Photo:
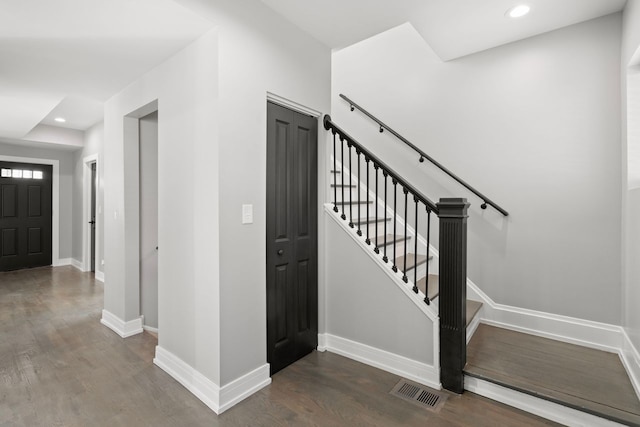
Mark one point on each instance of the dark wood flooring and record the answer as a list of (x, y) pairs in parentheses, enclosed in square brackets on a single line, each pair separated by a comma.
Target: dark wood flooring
[(582, 378), (60, 367)]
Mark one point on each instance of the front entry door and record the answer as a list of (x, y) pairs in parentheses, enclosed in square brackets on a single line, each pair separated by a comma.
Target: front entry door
[(292, 224), (25, 215)]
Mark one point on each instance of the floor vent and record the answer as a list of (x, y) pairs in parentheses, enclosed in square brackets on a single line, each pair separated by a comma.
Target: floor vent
[(419, 395)]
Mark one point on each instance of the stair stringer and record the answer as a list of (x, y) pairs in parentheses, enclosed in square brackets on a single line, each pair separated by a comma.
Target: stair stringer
[(382, 208)]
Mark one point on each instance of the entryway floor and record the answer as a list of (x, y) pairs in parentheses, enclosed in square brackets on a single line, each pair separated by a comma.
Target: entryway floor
[(591, 380), (60, 366)]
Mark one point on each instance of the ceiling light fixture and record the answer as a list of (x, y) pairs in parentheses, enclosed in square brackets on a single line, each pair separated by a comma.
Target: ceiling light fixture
[(60, 119), (518, 11)]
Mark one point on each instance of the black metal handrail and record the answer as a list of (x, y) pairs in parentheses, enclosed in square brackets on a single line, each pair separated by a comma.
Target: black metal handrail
[(486, 201), (329, 125)]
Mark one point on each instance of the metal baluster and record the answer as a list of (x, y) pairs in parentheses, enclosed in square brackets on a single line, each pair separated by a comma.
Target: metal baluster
[(426, 287), (406, 220), (395, 223), (367, 160), (385, 258), (359, 191), (415, 248), (335, 171), (350, 192), (343, 216), (377, 245)]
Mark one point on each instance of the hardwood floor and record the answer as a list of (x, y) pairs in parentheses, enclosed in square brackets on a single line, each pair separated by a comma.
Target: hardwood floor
[(582, 378), (60, 367)]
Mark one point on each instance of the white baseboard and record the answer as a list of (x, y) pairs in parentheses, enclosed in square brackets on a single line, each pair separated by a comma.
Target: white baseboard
[(572, 330), (219, 399), (322, 343), (600, 336), (422, 373), (150, 329), (62, 262), (99, 275), (543, 408), (631, 361), (119, 326), (243, 387), (77, 264)]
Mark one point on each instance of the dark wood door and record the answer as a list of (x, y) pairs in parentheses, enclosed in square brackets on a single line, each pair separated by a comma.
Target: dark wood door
[(25, 215), (292, 224)]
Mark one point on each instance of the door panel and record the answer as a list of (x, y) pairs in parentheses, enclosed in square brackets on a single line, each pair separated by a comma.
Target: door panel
[(25, 220), (292, 284)]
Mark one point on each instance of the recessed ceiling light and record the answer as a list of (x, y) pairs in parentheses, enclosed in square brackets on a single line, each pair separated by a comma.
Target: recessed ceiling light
[(60, 119), (518, 11)]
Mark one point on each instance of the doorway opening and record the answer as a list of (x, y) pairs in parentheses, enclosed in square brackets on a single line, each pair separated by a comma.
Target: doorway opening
[(91, 222), (141, 222), (292, 235)]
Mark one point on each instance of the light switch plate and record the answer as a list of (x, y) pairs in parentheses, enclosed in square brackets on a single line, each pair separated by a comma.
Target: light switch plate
[(247, 214)]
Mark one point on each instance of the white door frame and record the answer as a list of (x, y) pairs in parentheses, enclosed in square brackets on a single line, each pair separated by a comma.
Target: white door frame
[(55, 200), (86, 212)]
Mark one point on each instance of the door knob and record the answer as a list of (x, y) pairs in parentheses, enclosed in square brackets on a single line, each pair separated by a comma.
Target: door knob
[(280, 252)]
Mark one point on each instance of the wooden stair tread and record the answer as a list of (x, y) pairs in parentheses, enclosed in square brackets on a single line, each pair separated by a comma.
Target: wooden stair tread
[(390, 239), (412, 261), (354, 202), (582, 378), (434, 287), (371, 220)]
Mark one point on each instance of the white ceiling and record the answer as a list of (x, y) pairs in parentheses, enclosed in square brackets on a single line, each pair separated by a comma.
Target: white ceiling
[(67, 57), (453, 28)]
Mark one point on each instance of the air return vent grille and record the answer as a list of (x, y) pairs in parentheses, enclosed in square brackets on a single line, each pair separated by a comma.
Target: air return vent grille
[(419, 395)]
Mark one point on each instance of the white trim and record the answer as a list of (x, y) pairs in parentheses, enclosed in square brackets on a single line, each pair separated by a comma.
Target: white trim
[(322, 343), (543, 408), (572, 330), (76, 264), (243, 387), (420, 372), (55, 200), (199, 385), (219, 399), (631, 361), (292, 105), (99, 276), (86, 211), (150, 329), (418, 298), (119, 326), (63, 262)]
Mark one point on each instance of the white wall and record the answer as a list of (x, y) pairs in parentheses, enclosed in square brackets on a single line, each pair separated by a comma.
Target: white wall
[(66, 188), (260, 52), (532, 124), (93, 146), (212, 159), (185, 87), (365, 306), (631, 194), (148, 137)]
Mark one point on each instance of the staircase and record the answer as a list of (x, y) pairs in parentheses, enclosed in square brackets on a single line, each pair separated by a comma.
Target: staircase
[(393, 220), (388, 245)]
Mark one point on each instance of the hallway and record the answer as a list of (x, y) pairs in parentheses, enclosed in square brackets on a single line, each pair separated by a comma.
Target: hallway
[(60, 366)]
